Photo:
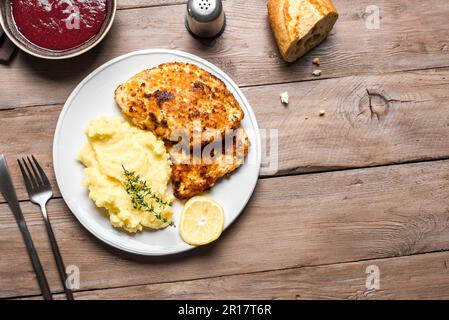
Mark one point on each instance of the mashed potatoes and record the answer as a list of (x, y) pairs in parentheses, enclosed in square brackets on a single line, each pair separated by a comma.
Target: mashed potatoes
[(112, 144)]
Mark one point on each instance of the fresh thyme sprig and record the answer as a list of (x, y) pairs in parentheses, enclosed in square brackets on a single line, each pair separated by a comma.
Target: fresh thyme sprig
[(139, 191)]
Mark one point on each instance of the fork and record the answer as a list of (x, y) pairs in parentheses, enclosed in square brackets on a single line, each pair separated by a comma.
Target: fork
[(39, 190)]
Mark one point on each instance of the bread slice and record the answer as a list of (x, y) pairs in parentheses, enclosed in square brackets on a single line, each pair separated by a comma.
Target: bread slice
[(300, 25)]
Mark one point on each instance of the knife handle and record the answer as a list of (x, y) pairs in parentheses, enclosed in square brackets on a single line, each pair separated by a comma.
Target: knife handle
[(42, 280)]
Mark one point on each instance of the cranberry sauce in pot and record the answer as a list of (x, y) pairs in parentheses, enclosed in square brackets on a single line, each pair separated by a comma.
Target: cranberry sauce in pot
[(59, 24)]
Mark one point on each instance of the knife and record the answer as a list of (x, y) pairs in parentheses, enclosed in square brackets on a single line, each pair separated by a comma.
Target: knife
[(7, 189)]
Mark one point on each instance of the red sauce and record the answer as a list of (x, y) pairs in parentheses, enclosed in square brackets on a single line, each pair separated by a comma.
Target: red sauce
[(59, 24)]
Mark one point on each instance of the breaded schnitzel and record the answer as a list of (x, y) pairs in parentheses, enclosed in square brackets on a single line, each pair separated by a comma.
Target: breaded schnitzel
[(192, 175), (177, 97), (183, 102)]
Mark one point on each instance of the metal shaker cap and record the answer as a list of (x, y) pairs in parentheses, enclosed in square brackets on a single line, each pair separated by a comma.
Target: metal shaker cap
[(205, 18)]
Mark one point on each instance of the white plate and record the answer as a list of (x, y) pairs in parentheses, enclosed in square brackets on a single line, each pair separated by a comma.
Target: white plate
[(94, 97)]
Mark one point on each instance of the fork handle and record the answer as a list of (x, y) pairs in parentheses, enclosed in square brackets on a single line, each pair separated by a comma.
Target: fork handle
[(57, 255)]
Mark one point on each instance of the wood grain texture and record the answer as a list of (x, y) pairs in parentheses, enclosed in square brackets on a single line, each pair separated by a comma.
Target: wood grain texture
[(304, 236), (410, 123), (290, 222), (368, 121), (414, 277), (133, 4), (247, 51)]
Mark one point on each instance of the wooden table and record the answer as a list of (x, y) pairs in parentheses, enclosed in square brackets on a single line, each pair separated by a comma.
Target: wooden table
[(367, 184)]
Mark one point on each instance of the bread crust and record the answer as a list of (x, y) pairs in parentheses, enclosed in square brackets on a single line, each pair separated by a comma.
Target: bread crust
[(311, 21), (276, 17)]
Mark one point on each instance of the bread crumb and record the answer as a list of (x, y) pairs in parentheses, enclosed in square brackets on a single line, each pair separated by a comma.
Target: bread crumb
[(284, 97), (317, 73), (317, 61), (322, 113)]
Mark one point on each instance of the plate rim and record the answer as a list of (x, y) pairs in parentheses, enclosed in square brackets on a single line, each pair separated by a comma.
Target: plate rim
[(91, 75)]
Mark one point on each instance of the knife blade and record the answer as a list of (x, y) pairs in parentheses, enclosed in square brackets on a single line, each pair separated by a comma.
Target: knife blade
[(7, 189)]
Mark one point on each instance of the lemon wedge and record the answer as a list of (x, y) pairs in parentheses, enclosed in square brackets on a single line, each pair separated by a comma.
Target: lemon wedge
[(202, 221)]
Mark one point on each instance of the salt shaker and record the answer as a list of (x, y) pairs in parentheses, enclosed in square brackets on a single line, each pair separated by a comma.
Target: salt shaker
[(205, 18)]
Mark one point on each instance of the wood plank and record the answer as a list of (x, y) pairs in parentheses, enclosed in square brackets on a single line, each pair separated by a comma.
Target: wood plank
[(369, 120), (290, 222), (414, 277), (131, 4), (247, 51), (411, 126), (25, 132)]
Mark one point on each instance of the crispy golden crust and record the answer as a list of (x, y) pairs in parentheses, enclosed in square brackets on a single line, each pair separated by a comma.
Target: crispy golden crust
[(174, 98), (276, 17), (300, 25), (193, 175), (179, 98)]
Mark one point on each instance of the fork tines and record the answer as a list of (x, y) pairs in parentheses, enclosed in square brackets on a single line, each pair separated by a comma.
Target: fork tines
[(34, 177)]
